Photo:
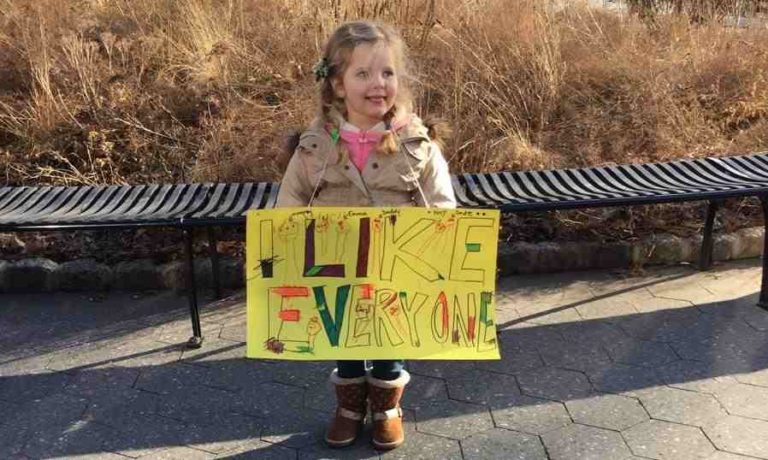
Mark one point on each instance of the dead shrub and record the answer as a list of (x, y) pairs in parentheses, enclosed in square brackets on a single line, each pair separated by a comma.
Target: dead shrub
[(109, 91)]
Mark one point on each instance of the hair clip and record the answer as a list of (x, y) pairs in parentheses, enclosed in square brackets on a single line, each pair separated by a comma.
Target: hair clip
[(321, 69)]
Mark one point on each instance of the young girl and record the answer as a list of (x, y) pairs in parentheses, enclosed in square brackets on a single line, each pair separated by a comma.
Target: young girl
[(366, 148)]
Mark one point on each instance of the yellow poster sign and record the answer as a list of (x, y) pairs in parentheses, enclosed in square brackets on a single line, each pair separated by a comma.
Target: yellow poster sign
[(371, 283)]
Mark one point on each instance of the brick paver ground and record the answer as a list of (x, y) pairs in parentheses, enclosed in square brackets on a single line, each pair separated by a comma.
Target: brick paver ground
[(669, 364)]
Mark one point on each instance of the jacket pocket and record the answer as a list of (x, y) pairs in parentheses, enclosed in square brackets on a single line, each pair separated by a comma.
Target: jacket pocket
[(320, 158)]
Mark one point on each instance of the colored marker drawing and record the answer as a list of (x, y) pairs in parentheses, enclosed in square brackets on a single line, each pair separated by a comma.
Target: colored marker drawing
[(371, 283)]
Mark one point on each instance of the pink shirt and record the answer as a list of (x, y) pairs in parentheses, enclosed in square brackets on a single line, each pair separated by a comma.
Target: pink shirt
[(360, 144)]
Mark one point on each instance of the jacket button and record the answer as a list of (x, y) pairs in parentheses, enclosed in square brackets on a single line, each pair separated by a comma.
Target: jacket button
[(375, 165), (346, 166)]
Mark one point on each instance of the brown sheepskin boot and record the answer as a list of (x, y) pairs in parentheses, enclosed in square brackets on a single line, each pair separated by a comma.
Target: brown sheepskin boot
[(384, 397), (350, 410)]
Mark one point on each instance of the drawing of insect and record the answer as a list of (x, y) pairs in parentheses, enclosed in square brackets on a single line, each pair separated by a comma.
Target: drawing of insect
[(322, 228), (274, 345), (445, 224), (289, 229), (343, 225)]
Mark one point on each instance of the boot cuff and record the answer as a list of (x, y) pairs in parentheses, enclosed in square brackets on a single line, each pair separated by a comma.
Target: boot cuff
[(336, 380), (399, 382)]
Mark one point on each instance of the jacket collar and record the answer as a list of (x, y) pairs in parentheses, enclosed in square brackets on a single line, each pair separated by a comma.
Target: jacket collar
[(412, 130)]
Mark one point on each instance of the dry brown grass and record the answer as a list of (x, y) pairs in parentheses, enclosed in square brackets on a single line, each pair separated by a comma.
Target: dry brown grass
[(118, 91), (696, 10)]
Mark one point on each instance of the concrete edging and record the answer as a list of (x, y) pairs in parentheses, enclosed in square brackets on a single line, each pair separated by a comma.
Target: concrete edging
[(45, 275), (523, 258)]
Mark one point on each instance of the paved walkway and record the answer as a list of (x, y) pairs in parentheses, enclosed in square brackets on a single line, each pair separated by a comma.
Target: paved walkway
[(672, 364)]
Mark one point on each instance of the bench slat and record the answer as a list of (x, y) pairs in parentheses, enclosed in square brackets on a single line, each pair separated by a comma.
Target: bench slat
[(488, 189), (121, 203), (697, 175), (5, 191), (461, 196), (533, 189), (39, 195), (162, 195), (617, 177), (19, 194), (19, 199), (522, 196), (256, 203), (215, 196), (198, 201), (242, 203), (47, 207), (49, 198), (645, 181), (137, 205), (750, 165), (681, 179), (81, 196), (166, 209), (116, 201), (717, 175), (704, 179), (274, 188), (544, 184), (590, 175), (656, 179), (676, 179), (735, 168), (191, 196), (220, 204), (151, 200), (560, 181), (229, 201), (760, 159), (582, 187), (97, 200), (476, 191), (521, 186), (500, 184)]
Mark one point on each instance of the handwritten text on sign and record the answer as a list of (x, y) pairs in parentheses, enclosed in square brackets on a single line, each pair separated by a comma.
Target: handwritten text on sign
[(371, 283)]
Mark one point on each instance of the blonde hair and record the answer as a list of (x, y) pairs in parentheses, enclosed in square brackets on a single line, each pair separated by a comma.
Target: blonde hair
[(337, 53)]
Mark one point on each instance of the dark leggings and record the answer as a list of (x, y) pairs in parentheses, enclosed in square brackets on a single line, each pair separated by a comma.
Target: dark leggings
[(382, 369)]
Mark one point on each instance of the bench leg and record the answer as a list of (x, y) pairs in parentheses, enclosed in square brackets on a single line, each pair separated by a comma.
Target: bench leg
[(763, 300), (214, 256), (705, 257), (196, 341)]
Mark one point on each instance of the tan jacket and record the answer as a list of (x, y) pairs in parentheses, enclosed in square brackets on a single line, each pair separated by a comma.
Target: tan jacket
[(386, 180)]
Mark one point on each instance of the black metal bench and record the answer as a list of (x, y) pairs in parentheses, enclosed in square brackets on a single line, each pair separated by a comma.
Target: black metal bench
[(706, 179), (190, 206), (183, 206)]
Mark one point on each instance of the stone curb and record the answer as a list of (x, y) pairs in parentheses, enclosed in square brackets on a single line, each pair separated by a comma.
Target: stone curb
[(45, 275), (525, 258)]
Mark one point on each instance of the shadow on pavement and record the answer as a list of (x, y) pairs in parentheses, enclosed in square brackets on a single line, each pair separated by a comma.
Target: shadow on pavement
[(113, 376)]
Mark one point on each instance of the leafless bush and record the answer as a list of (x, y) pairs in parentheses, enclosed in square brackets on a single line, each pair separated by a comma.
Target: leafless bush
[(118, 91)]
